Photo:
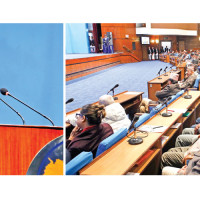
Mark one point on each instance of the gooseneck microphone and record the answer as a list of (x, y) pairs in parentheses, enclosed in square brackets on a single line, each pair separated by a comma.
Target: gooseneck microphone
[(134, 140), (166, 114), (112, 89), (165, 71), (14, 110), (159, 73), (4, 91), (187, 96), (69, 100)]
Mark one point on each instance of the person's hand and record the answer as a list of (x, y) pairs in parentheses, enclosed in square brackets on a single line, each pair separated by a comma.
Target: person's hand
[(196, 129), (74, 132), (188, 157), (182, 171)]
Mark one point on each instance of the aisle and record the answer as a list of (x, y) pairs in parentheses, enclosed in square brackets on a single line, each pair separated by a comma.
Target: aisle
[(130, 76)]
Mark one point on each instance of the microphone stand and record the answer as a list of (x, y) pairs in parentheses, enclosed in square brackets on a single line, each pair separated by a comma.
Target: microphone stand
[(187, 96), (165, 72), (31, 108), (135, 140), (159, 75), (14, 110), (166, 114), (115, 98)]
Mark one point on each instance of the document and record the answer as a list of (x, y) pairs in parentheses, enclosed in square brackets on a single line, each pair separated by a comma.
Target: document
[(151, 128), (176, 125), (177, 110), (135, 93)]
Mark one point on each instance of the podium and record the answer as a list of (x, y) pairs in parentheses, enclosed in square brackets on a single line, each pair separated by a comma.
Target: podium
[(20, 144)]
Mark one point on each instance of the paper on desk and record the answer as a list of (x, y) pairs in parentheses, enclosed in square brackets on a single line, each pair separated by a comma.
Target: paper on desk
[(151, 128), (176, 125), (132, 93), (177, 110)]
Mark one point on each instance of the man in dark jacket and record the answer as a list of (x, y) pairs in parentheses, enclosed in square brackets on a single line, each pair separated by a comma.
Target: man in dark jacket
[(171, 89)]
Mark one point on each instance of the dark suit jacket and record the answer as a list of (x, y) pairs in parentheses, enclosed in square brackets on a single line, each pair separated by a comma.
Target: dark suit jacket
[(89, 140)]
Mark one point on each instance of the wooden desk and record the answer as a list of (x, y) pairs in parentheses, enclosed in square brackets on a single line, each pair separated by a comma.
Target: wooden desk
[(157, 84), (182, 67), (122, 157), (129, 100)]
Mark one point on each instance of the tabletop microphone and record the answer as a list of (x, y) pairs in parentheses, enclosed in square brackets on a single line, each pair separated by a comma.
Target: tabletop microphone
[(14, 110), (4, 91), (159, 73), (187, 96), (165, 70), (69, 100), (112, 89), (134, 140), (166, 114)]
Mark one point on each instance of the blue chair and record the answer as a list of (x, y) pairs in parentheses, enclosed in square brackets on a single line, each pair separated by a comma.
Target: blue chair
[(179, 93), (77, 163), (196, 83), (111, 140), (143, 118), (172, 99)]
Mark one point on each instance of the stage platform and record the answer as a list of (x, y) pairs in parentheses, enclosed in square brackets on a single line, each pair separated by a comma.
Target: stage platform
[(79, 65), (87, 55)]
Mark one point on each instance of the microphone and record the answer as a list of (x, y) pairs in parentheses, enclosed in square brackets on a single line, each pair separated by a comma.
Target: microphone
[(187, 96), (69, 100), (117, 85), (166, 114), (112, 89), (4, 91), (159, 73), (165, 71), (14, 110), (134, 140)]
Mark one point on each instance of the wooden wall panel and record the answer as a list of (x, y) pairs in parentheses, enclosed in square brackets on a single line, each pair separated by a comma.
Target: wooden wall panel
[(119, 30), (184, 26), (20, 144)]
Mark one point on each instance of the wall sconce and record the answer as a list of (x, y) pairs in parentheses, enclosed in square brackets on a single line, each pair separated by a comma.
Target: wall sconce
[(199, 38), (157, 41), (152, 41)]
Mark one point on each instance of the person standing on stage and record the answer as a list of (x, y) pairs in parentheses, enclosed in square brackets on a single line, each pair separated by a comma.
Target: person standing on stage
[(149, 53), (105, 44), (153, 53)]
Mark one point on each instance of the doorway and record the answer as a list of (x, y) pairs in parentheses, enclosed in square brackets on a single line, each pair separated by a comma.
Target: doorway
[(167, 44)]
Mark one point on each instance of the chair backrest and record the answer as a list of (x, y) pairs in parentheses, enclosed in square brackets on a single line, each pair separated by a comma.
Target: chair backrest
[(77, 163), (172, 99), (111, 140), (196, 83), (179, 93), (142, 119)]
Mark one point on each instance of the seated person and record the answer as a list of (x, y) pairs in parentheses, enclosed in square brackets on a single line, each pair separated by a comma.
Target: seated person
[(115, 113), (175, 157), (189, 79), (193, 167), (171, 89), (89, 131)]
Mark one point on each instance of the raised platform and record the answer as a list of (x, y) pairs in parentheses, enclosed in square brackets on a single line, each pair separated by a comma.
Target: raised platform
[(78, 67)]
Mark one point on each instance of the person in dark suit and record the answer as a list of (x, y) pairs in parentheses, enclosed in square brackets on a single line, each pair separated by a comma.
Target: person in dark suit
[(166, 49), (149, 53)]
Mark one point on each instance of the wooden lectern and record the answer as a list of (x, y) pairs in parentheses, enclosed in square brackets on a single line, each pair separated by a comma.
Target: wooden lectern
[(20, 144)]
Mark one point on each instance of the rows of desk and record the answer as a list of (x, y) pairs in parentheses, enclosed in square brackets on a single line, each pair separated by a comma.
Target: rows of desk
[(123, 157), (129, 100)]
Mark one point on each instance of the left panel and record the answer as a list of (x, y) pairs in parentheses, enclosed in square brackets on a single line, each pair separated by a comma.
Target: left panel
[(31, 99)]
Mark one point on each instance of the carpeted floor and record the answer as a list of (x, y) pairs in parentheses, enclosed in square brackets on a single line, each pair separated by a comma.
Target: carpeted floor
[(130, 76)]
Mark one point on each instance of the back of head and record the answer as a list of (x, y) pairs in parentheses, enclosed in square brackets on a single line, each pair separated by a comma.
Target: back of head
[(93, 113), (106, 100)]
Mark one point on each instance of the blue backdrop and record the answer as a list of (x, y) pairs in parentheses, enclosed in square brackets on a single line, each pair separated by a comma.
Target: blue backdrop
[(31, 68), (77, 39)]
